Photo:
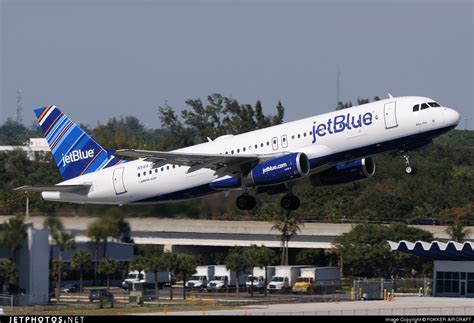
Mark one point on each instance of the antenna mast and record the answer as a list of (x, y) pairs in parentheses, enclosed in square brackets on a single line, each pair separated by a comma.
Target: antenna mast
[(19, 108)]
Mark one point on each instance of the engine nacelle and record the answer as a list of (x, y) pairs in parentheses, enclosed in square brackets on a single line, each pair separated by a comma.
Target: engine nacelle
[(279, 170), (345, 172)]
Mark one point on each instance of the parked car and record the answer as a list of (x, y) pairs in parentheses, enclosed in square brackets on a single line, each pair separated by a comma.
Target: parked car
[(427, 221), (70, 288), (100, 294)]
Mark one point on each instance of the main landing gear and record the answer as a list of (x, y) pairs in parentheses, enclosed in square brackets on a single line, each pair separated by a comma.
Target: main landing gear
[(409, 169), (246, 202), (290, 202)]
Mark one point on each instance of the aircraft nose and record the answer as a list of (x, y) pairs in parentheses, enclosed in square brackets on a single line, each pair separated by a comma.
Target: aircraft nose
[(452, 116)]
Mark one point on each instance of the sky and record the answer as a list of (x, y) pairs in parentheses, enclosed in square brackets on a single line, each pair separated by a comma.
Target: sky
[(102, 59)]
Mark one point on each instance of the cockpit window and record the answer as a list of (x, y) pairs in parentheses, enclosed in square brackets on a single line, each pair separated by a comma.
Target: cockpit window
[(424, 106), (434, 104), (416, 108)]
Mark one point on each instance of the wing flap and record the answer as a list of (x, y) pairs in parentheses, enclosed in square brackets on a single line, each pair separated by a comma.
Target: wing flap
[(54, 188)]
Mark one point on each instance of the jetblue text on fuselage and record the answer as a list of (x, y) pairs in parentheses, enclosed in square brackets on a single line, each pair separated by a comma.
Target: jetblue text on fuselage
[(76, 155), (272, 168), (341, 123)]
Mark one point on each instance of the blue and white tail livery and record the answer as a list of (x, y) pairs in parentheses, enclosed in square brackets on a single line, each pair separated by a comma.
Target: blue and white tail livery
[(329, 149), (74, 151)]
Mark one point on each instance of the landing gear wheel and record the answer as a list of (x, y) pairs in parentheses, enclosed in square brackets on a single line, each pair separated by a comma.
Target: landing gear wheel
[(410, 170), (246, 202), (290, 202)]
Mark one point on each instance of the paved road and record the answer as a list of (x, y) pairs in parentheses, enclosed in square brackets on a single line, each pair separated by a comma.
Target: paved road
[(400, 306)]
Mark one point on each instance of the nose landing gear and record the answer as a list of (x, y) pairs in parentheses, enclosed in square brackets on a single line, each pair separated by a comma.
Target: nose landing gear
[(409, 169)]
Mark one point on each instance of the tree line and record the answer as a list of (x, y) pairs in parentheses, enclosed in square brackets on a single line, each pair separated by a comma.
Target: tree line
[(443, 187)]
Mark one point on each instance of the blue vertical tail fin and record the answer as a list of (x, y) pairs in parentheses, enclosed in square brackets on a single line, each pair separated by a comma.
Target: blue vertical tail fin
[(74, 151)]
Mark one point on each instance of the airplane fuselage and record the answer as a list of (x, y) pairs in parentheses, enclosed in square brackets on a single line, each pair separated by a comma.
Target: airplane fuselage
[(326, 139)]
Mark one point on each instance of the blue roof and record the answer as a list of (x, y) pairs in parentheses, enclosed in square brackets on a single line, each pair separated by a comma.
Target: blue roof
[(436, 250)]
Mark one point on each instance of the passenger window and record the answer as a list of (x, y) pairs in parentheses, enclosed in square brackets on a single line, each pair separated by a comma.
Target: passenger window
[(256, 146), (243, 149), (304, 134), (261, 145), (268, 143), (226, 153), (416, 108), (424, 106), (238, 150), (293, 137), (144, 173), (232, 152), (299, 136), (167, 167), (174, 166), (156, 170), (162, 168), (150, 172), (138, 174)]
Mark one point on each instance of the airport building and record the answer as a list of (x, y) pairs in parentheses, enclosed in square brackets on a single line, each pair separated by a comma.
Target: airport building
[(453, 265), (34, 148)]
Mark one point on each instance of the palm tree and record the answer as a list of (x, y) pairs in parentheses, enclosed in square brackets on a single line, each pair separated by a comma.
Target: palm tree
[(251, 259), (184, 267), (63, 241), (12, 235), (457, 231), (235, 261), (170, 261), (108, 266), (81, 260), (8, 272), (154, 264), (288, 226), (266, 257), (95, 232)]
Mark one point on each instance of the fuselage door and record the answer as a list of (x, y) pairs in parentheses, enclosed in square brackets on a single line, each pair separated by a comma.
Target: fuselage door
[(118, 181), (284, 141), (390, 113), (275, 143)]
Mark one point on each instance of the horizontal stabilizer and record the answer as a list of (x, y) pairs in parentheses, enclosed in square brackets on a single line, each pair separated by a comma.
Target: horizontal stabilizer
[(54, 188)]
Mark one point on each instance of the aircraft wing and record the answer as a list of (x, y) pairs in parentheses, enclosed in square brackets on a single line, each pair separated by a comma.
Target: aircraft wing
[(196, 161), (53, 188)]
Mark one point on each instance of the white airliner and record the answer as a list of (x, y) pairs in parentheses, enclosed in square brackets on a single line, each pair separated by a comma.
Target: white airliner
[(328, 149)]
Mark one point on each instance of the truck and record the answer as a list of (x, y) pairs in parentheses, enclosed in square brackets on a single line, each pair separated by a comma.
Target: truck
[(312, 279), (225, 278), (148, 279), (284, 278), (201, 277), (258, 278)]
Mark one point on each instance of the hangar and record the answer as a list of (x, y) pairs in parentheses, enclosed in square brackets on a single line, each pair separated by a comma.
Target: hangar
[(453, 265)]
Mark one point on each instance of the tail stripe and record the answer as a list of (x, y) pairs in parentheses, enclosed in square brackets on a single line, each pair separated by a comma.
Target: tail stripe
[(92, 160), (43, 113), (57, 127), (60, 136), (51, 109), (52, 124)]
